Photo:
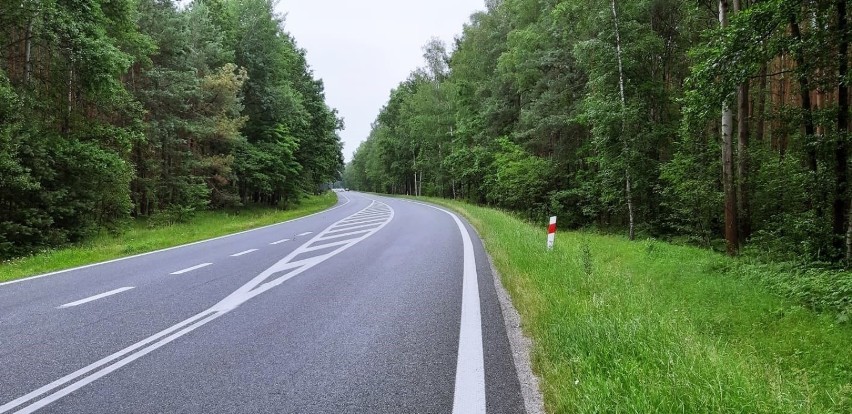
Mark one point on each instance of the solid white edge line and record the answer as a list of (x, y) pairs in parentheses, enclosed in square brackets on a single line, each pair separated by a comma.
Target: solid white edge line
[(189, 269), (95, 297), (244, 252), (469, 394), (58, 272)]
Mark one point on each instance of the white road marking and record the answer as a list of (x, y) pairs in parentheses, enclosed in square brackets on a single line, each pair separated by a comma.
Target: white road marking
[(338, 230), (383, 216), (327, 245), (469, 395), (86, 375), (83, 371), (243, 252), (118, 364), (96, 297), (352, 223), (327, 236), (304, 234), (279, 241), (257, 285), (189, 269), (58, 272), (365, 216)]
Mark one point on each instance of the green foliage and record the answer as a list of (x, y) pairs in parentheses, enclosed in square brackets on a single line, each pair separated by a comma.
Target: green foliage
[(268, 167), (821, 290), (691, 193), (527, 71), (90, 191), (546, 77), (120, 108), (518, 180), (15, 177), (292, 145), (172, 215), (788, 229)]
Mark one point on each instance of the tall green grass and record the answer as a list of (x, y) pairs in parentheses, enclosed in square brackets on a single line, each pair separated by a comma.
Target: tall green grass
[(141, 238), (649, 327)]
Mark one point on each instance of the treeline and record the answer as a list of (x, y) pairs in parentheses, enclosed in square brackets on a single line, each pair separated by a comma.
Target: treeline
[(668, 118), (118, 108)]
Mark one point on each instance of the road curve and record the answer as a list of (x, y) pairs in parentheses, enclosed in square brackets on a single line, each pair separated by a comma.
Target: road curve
[(377, 305)]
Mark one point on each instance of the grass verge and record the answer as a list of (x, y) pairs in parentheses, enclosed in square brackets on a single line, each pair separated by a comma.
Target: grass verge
[(139, 238), (649, 327)]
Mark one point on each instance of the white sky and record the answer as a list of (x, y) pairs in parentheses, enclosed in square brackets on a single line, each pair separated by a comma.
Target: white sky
[(362, 49)]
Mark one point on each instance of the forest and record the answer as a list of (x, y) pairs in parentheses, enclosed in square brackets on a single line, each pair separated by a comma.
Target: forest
[(118, 109), (718, 123)]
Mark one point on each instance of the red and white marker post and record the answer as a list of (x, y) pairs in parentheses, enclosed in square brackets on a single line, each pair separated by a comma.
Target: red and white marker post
[(551, 233)]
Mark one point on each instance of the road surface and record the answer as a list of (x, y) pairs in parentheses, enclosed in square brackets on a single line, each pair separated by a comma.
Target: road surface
[(376, 305)]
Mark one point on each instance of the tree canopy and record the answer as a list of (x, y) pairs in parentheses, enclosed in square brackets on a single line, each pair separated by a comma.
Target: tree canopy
[(610, 114), (128, 108)]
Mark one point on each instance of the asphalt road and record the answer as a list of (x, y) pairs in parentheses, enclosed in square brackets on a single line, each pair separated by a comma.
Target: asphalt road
[(377, 305)]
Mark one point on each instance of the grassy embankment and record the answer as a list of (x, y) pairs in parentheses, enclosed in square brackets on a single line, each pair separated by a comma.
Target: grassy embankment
[(140, 237), (649, 327)]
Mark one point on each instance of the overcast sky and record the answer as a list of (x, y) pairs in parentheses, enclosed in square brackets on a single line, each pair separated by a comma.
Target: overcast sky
[(362, 49)]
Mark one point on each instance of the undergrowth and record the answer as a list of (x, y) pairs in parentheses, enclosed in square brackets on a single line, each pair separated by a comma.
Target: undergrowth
[(652, 327)]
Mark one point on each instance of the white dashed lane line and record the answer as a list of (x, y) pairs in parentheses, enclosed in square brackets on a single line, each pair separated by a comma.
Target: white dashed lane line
[(96, 297), (279, 241), (189, 269), (243, 253)]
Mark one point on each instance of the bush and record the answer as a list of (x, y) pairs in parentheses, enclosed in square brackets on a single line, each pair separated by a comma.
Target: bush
[(519, 181), (171, 215), (822, 290)]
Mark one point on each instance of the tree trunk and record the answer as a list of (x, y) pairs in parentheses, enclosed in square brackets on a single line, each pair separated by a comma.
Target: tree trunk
[(849, 242), (841, 195), (804, 94), (731, 228), (760, 128), (66, 123), (28, 52), (628, 190), (743, 179), (629, 193)]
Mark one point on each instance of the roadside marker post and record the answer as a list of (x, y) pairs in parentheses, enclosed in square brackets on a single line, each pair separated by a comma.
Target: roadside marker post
[(551, 233)]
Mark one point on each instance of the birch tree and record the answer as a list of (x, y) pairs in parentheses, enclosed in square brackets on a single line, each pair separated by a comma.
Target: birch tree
[(731, 227), (624, 139)]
